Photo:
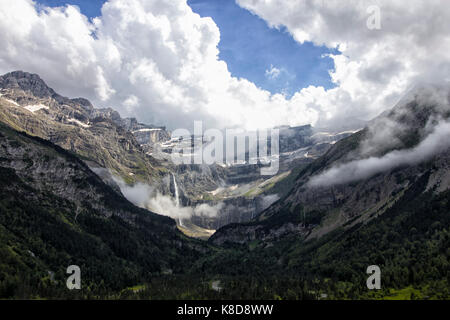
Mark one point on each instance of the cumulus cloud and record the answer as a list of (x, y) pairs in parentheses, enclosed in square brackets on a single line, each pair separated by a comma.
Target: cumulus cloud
[(376, 67), (153, 59), (158, 61), (356, 170)]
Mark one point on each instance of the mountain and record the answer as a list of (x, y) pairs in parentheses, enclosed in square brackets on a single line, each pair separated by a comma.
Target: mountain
[(115, 147), (99, 136), (126, 153), (56, 212), (378, 197), (409, 242), (238, 189), (340, 201)]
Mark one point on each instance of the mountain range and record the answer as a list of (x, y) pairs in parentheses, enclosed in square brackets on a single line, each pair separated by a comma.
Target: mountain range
[(76, 183)]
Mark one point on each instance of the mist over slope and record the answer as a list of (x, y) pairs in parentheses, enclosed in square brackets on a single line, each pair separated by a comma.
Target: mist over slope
[(363, 175)]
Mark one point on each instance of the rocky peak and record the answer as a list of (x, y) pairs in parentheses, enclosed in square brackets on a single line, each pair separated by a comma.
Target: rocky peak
[(30, 88), (97, 135), (28, 82), (85, 103)]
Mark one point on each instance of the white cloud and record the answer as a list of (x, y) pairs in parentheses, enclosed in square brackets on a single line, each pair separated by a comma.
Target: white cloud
[(131, 102), (157, 60), (272, 72), (376, 66)]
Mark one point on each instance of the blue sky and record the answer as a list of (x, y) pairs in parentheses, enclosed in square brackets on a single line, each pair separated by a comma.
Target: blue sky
[(90, 8), (250, 48)]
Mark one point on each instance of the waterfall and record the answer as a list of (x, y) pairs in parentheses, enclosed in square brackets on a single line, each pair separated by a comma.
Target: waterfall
[(177, 197)]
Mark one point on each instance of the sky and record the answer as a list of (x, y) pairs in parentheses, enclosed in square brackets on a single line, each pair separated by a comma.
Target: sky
[(90, 8), (244, 63), (268, 57)]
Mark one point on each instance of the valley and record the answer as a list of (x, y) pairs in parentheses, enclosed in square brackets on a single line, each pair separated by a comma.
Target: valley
[(81, 185)]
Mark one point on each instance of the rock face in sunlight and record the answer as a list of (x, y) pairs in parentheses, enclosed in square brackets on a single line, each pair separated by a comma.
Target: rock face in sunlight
[(99, 136)]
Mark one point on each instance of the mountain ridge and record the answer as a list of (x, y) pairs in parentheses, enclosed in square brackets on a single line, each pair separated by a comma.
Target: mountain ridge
[(56, 212), (330, 207)]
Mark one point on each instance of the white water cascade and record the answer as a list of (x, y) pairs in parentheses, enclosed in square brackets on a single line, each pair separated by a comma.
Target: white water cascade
[(177, 197)]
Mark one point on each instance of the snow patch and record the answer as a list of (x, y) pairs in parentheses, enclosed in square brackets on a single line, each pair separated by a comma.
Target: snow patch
[(147, 130), (35, 107), (78, 122), (9, 100)]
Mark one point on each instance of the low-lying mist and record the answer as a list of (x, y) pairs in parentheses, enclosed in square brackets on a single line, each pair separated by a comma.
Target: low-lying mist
[(146, 196), (437, 141), (149, 197), (419, 115)]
